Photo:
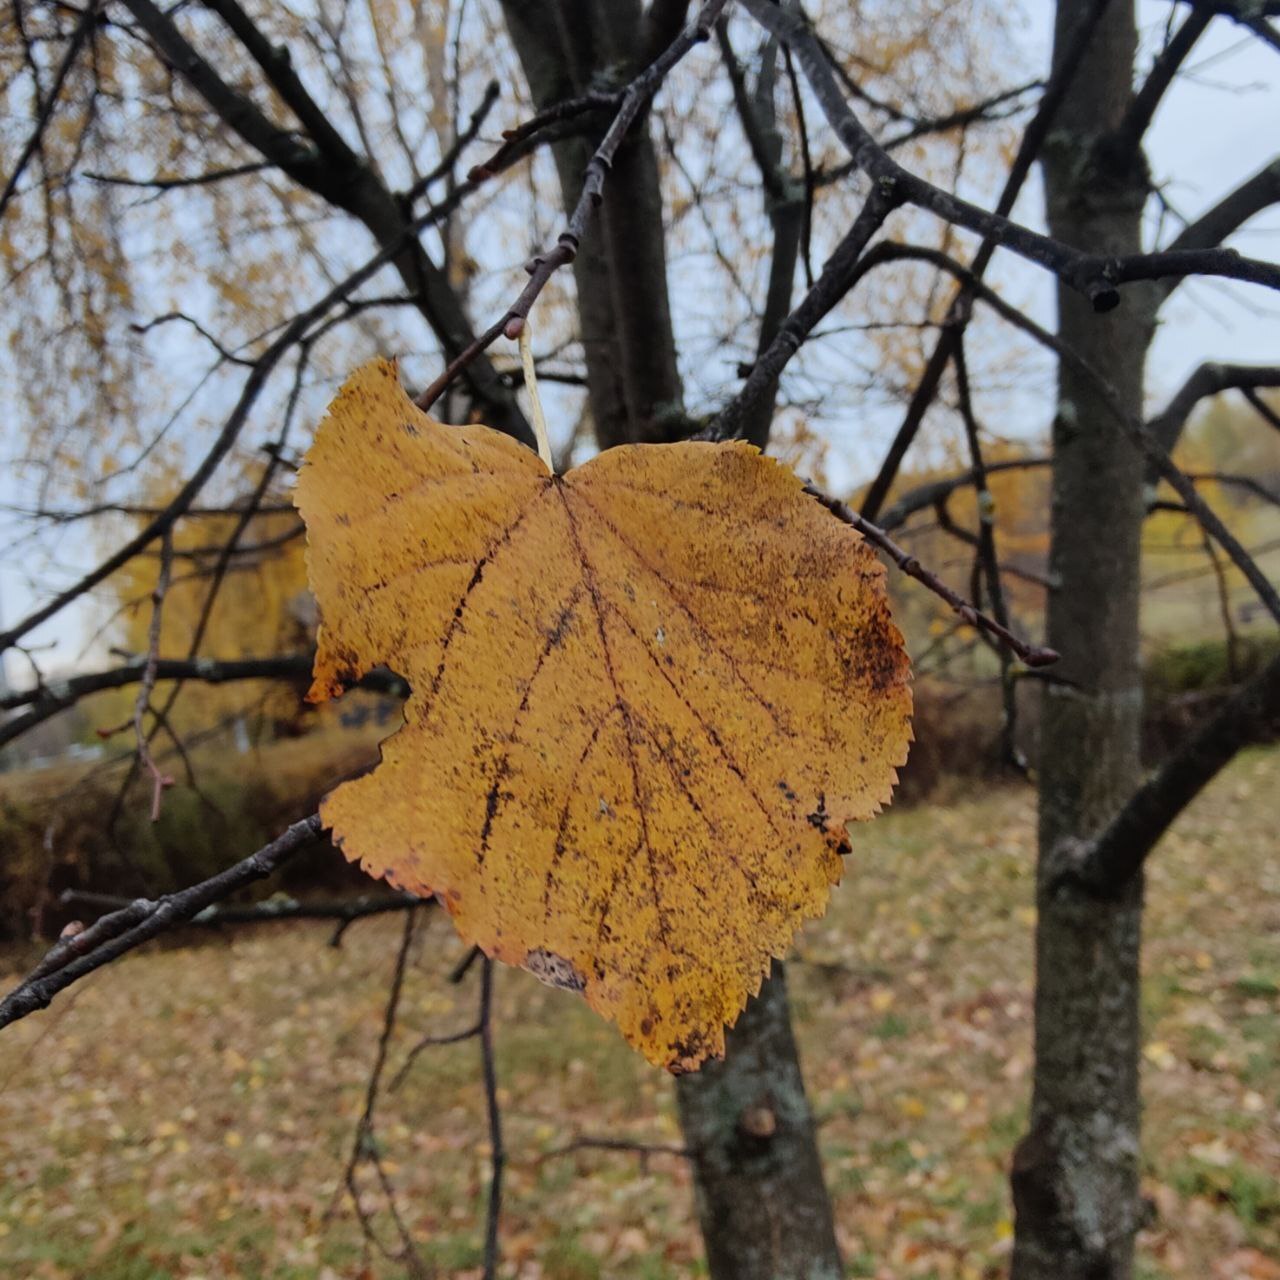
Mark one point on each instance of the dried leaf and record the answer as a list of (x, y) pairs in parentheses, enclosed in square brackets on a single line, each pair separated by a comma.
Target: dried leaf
[(648, 696)]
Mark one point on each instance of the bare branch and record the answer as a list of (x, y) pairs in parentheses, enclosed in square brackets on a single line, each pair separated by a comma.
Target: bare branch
[(927, 495), (988, 562), (1104, 866), (1126, 139), (88, 20), (1230, 213), (787, 208), (292, 333), (459, 144), (273, 910), (332, 170), (122, 931), (364, 1146), (1210, 379), (497, 1152), (1032, 655), (175, 184), (1134, 427), (47, 699), (842, 271), (515, 141), (544, 265), (1029, 148), (148, 682), (1095, 276)]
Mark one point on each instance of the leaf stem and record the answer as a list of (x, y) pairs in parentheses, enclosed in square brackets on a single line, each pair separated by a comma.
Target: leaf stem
[(531, 382)]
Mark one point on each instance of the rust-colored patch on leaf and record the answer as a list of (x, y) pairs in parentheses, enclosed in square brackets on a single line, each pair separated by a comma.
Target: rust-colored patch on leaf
[(648, 697)]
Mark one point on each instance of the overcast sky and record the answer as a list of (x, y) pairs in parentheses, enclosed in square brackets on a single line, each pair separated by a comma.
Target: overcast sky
[(1206, 140)]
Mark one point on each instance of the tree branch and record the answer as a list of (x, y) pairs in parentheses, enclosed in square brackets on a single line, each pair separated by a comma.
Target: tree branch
[(1125, 140), (1230, 213), (1029, 148), (342, 910), (927, 495), (333, 171), (173, 184), (1210, 379), (164, 518), (1104, 866), (842, 271), (1095, 276), (515, 141), (544, 265), (1033, 655), (47, 699), (122, 931), (786, 207), (88, 20), (1134, 427)]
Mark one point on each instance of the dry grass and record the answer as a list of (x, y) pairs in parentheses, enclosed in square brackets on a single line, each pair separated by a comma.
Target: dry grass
[(188, 1112)]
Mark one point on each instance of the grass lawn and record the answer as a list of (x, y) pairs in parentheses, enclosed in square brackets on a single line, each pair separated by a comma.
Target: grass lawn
[(188, 1111)]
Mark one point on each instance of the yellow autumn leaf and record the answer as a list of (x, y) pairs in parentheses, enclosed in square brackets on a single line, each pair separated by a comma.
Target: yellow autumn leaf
[(647, 697)]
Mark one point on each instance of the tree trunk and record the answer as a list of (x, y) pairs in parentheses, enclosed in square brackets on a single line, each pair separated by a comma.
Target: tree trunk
[(566, 48), (1075, 1175), (762, 1202)]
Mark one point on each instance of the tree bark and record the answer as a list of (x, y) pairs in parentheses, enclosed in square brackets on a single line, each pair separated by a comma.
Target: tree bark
[(566, 48), (763, 1206), (762, 1203), (1075, 1174)]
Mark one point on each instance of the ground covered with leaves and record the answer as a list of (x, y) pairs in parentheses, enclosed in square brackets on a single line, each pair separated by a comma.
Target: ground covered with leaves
[(189, 1112)]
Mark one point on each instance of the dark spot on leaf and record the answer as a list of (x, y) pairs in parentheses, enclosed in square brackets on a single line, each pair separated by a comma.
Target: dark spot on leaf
[(554, 970), (819, 818)]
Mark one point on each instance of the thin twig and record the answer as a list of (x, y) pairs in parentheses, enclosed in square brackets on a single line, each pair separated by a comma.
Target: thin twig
[(1033, 139), (159, 780), (271, 911), (88, 20), (497, 1153), (544, 265), (1032, 655), (557, 113), (44, 701), (432, 1042), (122, 931), (1095, 276), (291, 334), (842, 271), (806, 161), (1134, 427), (1261, 407), (463, 967), (989, 561), (459, 144), (364, 1146)]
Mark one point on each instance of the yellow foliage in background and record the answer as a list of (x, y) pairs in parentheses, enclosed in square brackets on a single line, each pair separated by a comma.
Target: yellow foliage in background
[(262, 609)]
